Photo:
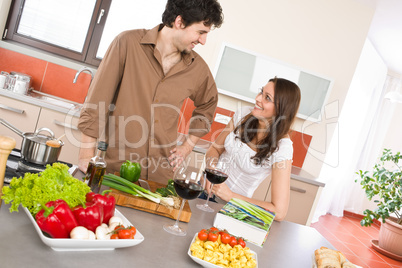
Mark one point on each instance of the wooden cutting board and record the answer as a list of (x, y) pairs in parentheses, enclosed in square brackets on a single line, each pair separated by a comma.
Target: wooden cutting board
[(127, 200)]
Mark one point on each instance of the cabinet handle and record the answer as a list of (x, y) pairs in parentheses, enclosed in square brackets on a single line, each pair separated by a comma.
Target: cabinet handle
[(61, 124), (11, 109), (292, 188)]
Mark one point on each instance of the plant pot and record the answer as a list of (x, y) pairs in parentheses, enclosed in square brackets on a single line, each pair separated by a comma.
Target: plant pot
[(390, 237)]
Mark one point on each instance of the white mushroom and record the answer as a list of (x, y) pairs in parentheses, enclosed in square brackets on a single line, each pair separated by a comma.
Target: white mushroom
[(79, 232), (91, 235), (102, 232), (113, 225), (115, 219)]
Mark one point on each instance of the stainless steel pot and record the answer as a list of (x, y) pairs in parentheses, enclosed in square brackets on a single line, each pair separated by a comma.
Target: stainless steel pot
[(34, 148)]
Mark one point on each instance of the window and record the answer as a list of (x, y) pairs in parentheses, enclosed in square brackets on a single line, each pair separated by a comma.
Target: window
[(76, 29)]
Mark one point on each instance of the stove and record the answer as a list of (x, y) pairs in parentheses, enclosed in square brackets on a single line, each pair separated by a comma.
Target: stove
[(17, 167)]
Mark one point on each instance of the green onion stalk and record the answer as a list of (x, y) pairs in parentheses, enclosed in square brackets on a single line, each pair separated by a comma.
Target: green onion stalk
[(256, 211), (126, 186)]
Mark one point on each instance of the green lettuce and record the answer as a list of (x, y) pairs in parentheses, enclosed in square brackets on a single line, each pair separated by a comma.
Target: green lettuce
[(35, 189)]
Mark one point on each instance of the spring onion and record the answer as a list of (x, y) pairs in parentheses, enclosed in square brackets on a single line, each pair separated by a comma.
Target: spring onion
[(123, 185)]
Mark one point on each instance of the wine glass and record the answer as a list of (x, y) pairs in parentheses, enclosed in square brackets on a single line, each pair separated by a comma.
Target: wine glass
[(216, 173), (188, 185)]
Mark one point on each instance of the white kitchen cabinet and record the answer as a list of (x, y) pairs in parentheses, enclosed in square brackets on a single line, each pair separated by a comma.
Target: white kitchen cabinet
[(61, 123), (303, 201), (21, 115), (304, 195)]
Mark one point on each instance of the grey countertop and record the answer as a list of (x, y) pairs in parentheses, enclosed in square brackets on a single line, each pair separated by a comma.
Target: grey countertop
[(46, 101), (288, 244)]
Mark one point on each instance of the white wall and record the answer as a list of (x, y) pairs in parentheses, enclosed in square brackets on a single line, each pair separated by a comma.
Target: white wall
[(324, 37)]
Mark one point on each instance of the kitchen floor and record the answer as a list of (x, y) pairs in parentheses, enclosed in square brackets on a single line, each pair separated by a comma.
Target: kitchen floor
[(354, 241)]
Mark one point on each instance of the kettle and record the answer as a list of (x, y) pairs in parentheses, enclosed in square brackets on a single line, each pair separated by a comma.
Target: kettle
[(19, 82)]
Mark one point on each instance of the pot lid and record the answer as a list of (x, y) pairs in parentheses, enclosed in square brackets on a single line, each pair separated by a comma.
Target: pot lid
[(37, 138)]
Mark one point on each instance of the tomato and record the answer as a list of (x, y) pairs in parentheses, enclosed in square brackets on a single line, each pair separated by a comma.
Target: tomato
[(212, 236), (213, 229), (118, 227), (225, 238), (223, 232), (124, 234), (203, 235), (132, 230), (114, 236), (241, 242), (233, 241)]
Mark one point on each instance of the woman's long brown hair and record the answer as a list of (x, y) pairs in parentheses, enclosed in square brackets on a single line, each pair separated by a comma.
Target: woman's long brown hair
[(286, 100)]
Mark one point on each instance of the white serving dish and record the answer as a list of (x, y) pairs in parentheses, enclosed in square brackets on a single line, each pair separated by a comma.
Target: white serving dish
[(208, 264), (67, 244)]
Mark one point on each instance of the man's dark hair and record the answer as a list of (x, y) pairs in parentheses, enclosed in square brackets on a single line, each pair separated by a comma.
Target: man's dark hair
[(193, 11)]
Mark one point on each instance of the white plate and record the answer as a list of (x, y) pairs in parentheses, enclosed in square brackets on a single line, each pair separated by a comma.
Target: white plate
[(67, 244), (208, 264)]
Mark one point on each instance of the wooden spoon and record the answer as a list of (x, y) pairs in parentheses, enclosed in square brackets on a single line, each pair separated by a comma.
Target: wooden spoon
[(55, 143)]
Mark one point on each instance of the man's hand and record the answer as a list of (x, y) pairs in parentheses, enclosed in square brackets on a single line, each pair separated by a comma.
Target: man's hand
[(180, 153)]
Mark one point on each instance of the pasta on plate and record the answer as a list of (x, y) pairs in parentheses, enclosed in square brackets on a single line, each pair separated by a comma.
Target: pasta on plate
[(223, 255)]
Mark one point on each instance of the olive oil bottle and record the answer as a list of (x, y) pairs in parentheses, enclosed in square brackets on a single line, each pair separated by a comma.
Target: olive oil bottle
[(96, 168)]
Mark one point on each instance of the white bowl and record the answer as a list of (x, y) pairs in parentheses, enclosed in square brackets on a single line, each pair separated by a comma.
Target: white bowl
[(67, 244)]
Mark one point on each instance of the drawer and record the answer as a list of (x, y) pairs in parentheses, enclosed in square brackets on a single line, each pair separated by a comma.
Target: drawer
[(302, 201), (22, 115)]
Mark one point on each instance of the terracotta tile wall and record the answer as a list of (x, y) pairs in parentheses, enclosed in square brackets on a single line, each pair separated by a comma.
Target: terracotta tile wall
[(47, 77), (301, 141), (216, 128)]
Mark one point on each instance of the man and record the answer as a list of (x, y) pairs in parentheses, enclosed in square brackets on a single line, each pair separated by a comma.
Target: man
[(135, 98)]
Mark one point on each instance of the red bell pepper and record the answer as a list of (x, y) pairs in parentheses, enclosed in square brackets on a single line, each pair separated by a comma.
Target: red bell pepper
[(56, 219), (108, 202), (89, 215)]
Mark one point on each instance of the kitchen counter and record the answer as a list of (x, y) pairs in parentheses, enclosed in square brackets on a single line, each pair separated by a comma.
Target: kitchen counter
[(46, 101), (288, 244)]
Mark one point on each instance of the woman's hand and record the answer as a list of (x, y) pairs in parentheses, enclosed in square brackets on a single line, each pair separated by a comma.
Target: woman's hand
[(222, 191)]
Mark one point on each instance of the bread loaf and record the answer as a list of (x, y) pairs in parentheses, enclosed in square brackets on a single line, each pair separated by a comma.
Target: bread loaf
[(329, 258), (348, 264)]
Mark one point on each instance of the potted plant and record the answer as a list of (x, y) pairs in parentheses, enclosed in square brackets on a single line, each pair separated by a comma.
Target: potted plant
[(384, 185)]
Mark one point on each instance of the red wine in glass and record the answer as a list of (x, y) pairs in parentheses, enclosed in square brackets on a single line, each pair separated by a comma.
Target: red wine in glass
[(188, 185), (190, 190), (216, 173), (215, 176)]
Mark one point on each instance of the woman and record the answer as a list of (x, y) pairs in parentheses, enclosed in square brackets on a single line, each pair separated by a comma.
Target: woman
[(257, 143)]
